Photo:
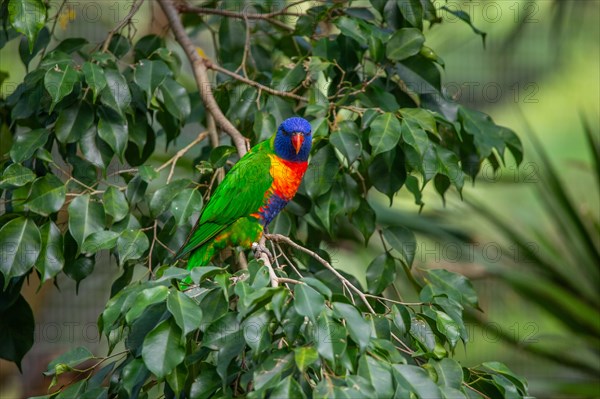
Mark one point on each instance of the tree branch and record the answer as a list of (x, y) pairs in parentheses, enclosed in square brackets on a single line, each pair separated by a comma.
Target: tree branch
[(211, 65), (179, 154), (201, 75), (134, 9), (344, 280)]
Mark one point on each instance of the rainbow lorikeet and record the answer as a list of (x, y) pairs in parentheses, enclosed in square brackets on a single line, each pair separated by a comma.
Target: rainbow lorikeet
[(254, 191)]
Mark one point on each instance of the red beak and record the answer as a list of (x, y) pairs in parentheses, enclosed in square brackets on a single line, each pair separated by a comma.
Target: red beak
[(297, 140)]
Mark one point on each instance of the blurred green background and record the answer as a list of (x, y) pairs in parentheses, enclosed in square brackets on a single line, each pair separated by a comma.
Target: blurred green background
[(540, 66)]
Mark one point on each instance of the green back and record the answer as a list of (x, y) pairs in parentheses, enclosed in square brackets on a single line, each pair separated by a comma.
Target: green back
[(240, 194)]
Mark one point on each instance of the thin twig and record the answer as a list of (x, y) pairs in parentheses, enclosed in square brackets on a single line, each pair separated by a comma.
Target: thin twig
[(134, 8), (211, 65), (201, 75), (173, 161), (344, 280)]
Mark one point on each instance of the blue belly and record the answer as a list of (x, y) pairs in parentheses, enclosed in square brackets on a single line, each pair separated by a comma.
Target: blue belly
[(271, 209)]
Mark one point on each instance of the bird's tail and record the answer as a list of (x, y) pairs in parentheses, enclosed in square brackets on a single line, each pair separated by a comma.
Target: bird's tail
[(199, 257)]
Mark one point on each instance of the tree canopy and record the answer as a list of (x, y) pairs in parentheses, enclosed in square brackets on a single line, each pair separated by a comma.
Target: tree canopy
[(83, 170)]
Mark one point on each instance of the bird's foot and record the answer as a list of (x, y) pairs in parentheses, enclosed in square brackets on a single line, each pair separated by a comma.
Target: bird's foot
[(259, 248)]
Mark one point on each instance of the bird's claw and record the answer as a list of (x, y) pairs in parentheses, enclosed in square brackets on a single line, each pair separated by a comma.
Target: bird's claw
[(259, 248)]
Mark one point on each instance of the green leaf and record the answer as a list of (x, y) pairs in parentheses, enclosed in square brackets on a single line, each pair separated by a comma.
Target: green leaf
[(114, 132), (116, 94), (350, 27), (176, 379), (448, 327), (73, 122), (449, 373), (99, 240), (381, 273), (256, 330), (308, 302), (176, 99), (16, 175), (402, 240), (133, 376), (94, 77), (285, 79), (422, 332), (59, 83), (162, 350), (404, 43), (115, 203), (321, 172), (25, 144), (79, 269), (364, 220), (401, 318), (21, 243), (186, 312), (453, 285), (378, 374), (347, 141), (94, 149), (85, 218), (501, 368), (136, 189), (16, 337), (385, 133), (412, 11), (330, 337), (163, 196), (287, 388), (68, 360), (304, 356), (47, 196), (463, 16), (27, 17), (416, 380), (358, 328), (149, 75), (131, 245), (146, 298), (51, 259), (269, 372), (184, 204)]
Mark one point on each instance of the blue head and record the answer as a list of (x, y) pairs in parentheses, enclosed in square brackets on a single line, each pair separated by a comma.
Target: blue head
[(293, 140)]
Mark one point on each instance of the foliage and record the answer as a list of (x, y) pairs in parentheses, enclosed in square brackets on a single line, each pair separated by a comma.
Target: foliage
[(79, 175), (560, 271)]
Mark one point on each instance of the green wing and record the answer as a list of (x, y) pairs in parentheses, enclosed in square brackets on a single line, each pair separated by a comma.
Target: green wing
[(240, 194)]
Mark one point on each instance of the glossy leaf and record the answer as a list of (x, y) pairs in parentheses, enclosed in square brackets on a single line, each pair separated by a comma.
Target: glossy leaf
[(163, 196), (94, 78), (99, 240), (348, 142), (416, 380), (114, 132), (402, 240), (59, 83), (381, 273), (305, 356), (308, 301), (385, 133), (27, 17), (21, 243), (16, 175), (162, 350), (184, 204), (51, 259), (85, 217), (185, 311), (115, 203), (357, 326), (47, 195), (149, 75), (116, 94), (25, 144), (131, 245), (73, 122), (404, 43)]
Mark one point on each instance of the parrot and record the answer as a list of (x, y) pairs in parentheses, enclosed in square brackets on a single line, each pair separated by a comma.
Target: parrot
[(254, 191)]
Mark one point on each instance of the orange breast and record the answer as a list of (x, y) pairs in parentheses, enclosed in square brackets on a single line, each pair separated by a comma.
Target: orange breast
[(286, 176)]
